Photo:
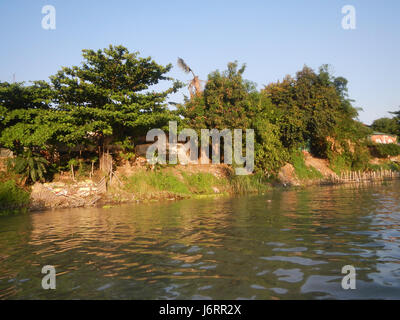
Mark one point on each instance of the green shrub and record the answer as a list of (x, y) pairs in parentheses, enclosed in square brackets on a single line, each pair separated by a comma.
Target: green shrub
[(339, 163), (394, 166), (348, 160), (385, 150), (30, 165), (12, 198), (360, 158)]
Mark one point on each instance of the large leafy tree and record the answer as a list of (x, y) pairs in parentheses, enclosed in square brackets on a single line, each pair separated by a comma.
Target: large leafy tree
[(23, 114), (109, 98), (224, 103), (397, 117), (231, 102), (387, 125), (313, 106)]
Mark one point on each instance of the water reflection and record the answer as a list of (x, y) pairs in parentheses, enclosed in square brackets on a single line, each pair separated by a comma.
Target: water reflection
[(284, 245)]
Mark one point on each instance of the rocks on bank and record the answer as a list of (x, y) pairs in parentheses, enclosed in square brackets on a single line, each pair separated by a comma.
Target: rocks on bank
[(65, 195)]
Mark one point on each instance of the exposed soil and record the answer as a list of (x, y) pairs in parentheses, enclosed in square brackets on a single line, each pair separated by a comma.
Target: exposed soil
[(322, 165)]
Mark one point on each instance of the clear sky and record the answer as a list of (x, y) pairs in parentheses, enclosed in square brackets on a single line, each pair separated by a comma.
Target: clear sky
[(274, 38)]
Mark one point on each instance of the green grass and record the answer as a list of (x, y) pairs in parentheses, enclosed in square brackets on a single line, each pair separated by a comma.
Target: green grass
[(149, 183), (201, 183), (12, 198), (165, 181), (153, 184), (303, 171), (249, 183)]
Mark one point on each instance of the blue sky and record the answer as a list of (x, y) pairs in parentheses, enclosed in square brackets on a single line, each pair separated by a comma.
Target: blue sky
[(274, 38)]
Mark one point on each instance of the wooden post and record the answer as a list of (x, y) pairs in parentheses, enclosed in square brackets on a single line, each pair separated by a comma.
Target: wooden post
[(72, 172)]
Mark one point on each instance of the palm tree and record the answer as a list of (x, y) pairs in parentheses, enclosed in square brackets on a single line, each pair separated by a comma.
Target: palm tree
[(195, 87)]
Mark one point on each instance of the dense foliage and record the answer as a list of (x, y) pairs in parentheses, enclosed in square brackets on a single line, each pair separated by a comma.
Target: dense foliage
[(108, 97), (105, 100), (315, 107), (387, 125), (108, 100), (12, 197), (385, 150), (32, 167), (231, 102), (310, 111)]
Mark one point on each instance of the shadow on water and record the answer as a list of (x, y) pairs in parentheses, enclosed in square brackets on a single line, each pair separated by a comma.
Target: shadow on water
[(283, 245)]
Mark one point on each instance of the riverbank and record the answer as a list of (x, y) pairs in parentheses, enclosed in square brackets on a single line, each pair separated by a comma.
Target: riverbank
[(136, 182), (131, 184)]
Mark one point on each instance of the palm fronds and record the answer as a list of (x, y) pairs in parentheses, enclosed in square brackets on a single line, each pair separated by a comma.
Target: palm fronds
[(182, 64), (195, 87)]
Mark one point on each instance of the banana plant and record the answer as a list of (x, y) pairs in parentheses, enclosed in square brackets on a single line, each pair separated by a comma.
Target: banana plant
[(30, 165)]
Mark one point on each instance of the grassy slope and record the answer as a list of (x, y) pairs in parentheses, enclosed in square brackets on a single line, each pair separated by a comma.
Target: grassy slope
[(180, 183)]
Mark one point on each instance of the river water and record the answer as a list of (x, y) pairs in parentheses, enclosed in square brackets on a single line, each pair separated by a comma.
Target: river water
[(282, 245)]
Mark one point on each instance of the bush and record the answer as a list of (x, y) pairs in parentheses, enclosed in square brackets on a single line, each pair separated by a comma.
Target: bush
[(360, 158), (394, 166), (347, 160), (385, 150), (339, 163), (12, 198), (30, 165)]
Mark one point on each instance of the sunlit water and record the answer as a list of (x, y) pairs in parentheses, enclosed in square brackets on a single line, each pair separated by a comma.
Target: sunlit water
[(282, 245)]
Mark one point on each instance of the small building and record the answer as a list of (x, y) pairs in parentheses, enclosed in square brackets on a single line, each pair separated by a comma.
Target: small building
[(383, 138)]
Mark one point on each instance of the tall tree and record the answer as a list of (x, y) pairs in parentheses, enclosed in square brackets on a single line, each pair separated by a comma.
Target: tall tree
[(231, 102), (109, 98), (23, 112), (397, 117), (314, 105), (386, 125), (223, 104)]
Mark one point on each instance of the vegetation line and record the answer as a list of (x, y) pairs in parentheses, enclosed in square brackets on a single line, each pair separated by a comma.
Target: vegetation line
[(87, 122)]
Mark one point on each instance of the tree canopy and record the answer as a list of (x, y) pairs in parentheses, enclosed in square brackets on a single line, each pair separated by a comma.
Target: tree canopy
[(110, 99), (107, 99), (313, 106), (387, 125)]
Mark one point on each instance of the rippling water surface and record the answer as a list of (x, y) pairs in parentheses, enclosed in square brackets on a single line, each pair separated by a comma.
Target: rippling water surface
[(283, 245)]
